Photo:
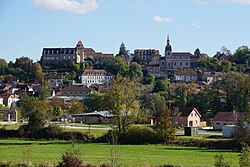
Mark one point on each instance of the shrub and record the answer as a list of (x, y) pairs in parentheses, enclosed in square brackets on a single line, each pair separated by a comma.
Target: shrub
[(78, 136), (50, 132), (71, 158), (220, 161), (245, 156), (140, 135)]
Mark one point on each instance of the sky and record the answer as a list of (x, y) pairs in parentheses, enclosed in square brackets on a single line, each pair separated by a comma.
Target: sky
[(27, 26)]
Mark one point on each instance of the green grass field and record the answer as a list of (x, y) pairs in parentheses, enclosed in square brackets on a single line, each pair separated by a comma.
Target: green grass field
[(130, 155)]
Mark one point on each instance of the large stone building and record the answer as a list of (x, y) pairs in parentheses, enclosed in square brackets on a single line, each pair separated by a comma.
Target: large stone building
[(148, 56), (90, 77), (56, 56), (177, 60)]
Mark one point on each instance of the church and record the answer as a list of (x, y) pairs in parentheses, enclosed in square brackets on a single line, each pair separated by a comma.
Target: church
[(176, 60)]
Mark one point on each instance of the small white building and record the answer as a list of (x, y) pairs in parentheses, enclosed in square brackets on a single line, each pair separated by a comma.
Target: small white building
[(90, 77), (185, 75)]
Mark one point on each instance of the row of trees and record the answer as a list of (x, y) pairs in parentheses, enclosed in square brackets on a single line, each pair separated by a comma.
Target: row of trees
[(238, 61)]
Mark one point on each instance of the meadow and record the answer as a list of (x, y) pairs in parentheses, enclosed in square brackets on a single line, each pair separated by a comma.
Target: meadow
[(97, 153)]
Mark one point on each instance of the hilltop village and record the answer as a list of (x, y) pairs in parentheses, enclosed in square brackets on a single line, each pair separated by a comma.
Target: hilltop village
[(183, 80), (139, 97)]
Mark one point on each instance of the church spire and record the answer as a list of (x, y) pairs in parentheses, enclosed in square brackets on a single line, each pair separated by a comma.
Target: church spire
[(168, 41)]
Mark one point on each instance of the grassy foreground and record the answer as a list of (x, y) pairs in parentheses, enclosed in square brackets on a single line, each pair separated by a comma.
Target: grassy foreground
[(130, 155)]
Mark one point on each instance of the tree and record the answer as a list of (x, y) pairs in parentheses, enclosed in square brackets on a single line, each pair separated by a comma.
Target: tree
[(197, 53), (148, 79), (235, 91), (134, 71), (27, 104), (123, 49), (45, 91), (95, 102), (137, 59), (75, 107), (57, 113), (245, 156), (160, 86), (122, 99), (115, 65), (210, 64), (3, 66), (155, 103), (38, 72), (165, 127)]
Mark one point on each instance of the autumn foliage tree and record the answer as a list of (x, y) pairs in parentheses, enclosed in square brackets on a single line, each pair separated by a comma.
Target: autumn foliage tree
[(122, 99)]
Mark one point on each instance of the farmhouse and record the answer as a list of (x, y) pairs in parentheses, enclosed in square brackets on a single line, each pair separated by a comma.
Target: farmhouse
[(188, 116), (100, 117), (226, 118)]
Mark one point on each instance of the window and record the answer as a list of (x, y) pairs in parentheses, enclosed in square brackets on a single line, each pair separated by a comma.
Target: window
[(181, 63)]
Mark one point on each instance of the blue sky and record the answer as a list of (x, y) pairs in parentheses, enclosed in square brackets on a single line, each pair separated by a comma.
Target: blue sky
[(29, 25)]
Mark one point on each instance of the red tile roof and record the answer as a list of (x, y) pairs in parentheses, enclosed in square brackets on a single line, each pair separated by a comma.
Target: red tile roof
[(228, 116)]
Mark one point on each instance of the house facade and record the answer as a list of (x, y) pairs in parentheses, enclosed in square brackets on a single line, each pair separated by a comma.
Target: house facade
[(148, 56), (188, 117), (226, 118), (187, 75), (57, 56), (90, 77), (173, 60), (79, 92)]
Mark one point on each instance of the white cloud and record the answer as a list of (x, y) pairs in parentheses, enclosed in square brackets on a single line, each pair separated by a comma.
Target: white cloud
[(195, 25), (225, 1), (162, 19), (74, 6)]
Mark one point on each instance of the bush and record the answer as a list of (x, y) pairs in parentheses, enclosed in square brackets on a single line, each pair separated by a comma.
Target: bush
[(220, 161), (8, 133), (50, 132), (78, 136), (134, 135), (140, 135), (71, 158)]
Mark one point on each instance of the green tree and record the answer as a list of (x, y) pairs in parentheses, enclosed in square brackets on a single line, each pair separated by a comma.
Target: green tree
[(75, 107), (148, 79), (3, 67), (27, 104), (137, 59), (38, 72), (197, 53), (245, 156), (165, 127), (115, 65), (210, 64), (45, 91), (155, 103), (122, 99), (57, 113), (95, 102), (134, 71), (235, 90), (160, 86)]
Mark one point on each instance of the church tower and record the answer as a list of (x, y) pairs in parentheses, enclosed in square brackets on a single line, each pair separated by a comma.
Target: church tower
[(168, 49)]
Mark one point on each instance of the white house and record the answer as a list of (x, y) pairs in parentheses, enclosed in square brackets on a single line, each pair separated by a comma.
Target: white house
[(185, 75), (90, 77)]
